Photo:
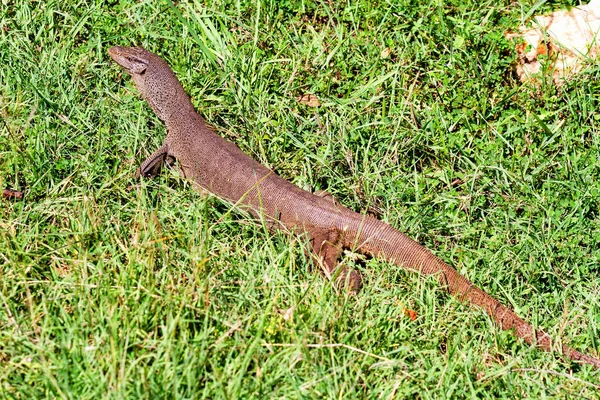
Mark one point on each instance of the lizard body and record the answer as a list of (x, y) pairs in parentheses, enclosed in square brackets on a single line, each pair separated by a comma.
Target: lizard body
[(220, 167)]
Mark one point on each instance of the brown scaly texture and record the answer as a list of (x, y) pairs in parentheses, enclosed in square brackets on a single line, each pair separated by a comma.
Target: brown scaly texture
[(220, 167)]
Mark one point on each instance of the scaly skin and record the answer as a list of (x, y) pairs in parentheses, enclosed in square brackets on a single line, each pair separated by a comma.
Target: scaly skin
[(220, 167)]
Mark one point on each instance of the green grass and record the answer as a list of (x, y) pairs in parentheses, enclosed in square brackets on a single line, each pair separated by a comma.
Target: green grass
[(157, 291)]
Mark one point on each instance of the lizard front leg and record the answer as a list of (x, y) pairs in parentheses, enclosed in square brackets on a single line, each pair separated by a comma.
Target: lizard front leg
[(152, 165)]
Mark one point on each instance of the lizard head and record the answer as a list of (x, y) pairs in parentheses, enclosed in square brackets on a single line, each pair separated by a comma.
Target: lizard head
[(154, 79)]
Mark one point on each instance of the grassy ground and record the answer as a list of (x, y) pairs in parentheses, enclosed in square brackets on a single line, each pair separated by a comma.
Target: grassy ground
[(158, 292)]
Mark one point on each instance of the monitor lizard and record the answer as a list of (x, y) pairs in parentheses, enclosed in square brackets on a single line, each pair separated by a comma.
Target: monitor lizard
[(220, 167)]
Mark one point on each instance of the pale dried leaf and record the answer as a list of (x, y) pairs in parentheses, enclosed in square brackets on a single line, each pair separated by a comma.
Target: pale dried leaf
[(287, 314), (559, 42)]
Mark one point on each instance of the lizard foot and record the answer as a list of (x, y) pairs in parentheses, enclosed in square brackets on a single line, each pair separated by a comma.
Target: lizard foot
[(327, 250)]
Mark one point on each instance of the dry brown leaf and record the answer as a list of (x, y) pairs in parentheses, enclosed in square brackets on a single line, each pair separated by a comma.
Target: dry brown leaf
[(12, 194), (412, 314), (309, 99)]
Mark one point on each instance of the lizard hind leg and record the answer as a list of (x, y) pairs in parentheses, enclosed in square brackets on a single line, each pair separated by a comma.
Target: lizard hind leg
[(327, 248)]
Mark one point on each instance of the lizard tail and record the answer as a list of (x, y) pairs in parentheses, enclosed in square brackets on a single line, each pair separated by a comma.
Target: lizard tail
[(377, 239)]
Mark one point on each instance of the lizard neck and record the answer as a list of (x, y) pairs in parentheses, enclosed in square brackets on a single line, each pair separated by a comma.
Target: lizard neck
[(182, 112)]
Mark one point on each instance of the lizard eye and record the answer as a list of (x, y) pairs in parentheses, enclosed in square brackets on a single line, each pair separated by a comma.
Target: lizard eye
[(136, 64)]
